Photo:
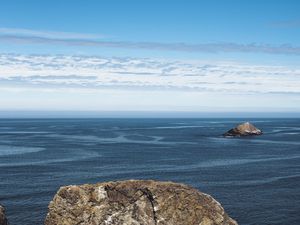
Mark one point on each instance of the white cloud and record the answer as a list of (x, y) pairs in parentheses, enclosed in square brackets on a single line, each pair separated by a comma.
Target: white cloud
[(145, 74), (101, 83)]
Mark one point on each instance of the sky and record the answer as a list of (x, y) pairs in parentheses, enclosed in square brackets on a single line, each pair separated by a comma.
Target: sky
[(130, 55)]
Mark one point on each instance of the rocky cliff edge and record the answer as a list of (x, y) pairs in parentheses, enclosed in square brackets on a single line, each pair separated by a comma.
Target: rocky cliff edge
[(135, 202)]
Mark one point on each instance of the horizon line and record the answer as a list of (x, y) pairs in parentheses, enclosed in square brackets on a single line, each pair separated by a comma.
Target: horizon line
[(73, 114)]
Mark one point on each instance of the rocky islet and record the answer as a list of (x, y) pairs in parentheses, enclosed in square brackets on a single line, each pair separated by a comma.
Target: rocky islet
[(135, 202), (244, 129)]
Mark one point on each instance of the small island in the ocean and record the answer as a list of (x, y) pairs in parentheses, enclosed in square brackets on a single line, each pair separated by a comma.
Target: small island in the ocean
[(244, 129)]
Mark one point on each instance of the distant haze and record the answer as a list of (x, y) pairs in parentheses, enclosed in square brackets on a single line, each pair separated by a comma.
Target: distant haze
[(143, 114)]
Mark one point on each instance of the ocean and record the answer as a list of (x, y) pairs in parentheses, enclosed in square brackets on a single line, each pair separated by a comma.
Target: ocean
[(256, 179)]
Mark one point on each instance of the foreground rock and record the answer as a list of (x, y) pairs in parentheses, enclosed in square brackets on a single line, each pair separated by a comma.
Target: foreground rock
[(3, 219), (135, 202), (245, 129)]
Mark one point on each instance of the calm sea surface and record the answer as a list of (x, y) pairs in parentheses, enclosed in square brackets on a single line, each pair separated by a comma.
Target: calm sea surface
[(257, 179)]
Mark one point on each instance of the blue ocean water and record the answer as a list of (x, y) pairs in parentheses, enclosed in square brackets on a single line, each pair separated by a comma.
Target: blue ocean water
[(256, 179)]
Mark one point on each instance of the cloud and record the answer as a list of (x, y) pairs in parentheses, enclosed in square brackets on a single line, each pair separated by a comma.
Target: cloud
[(286, 24), (142, 74), (28, 33), (24, 36)]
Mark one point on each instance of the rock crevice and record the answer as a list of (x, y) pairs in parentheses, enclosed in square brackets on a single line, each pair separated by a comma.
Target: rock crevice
[(150, 197)]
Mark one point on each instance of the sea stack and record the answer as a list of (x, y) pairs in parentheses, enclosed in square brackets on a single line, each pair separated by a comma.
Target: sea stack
[(245, 129), (3, 219), (135, 202)]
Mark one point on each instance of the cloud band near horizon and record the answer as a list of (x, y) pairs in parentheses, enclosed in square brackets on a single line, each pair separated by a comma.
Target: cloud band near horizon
[(102, 83), (89, 72)]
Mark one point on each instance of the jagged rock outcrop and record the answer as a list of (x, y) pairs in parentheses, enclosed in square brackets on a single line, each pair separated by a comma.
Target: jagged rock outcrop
[(3, 219), (135, 202), (245, 129)]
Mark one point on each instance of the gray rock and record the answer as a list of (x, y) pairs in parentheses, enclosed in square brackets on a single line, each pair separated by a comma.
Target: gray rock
[(3, 219), (135, 202), (245, 129)]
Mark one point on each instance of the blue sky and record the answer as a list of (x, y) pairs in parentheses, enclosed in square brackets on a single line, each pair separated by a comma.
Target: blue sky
[(150, 55)]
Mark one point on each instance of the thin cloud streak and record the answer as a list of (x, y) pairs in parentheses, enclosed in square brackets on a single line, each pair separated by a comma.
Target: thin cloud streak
[(286, 24), (20, 32), (284, 49)]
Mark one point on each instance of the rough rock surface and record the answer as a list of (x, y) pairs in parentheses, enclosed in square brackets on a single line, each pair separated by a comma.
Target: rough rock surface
[(135, 202), (3, 219), (245, 129)]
